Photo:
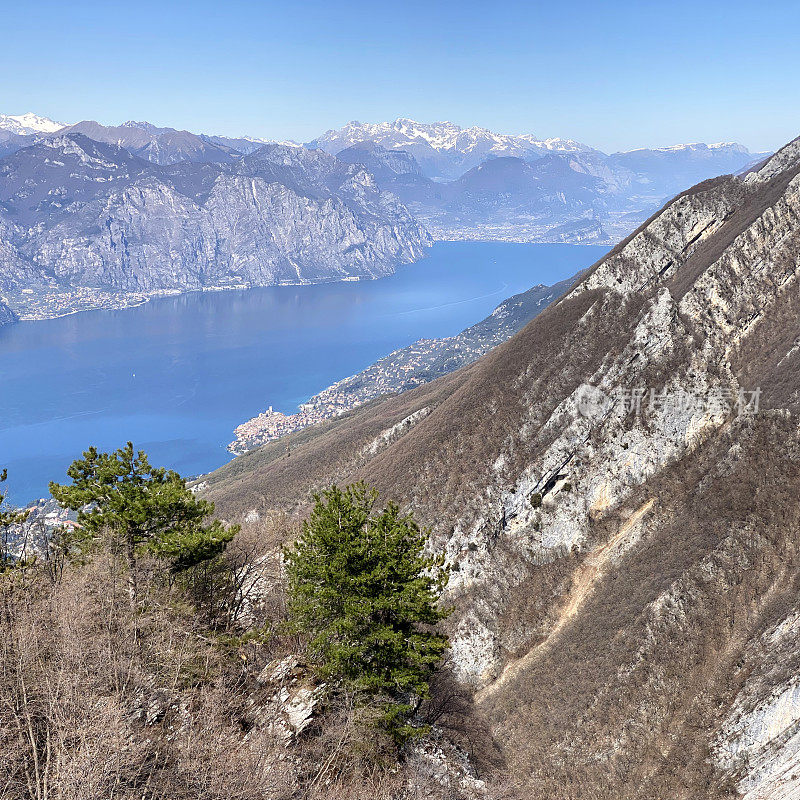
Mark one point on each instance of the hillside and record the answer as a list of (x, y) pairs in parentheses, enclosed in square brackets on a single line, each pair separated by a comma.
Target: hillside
[(6, 314), (620, 518)]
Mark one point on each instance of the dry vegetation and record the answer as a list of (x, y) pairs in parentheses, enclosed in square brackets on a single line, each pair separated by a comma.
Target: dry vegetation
[(170, 700), (613, 709)]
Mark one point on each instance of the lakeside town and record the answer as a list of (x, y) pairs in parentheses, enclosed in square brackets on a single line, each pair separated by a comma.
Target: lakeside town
[(404, 369), (36, 306)]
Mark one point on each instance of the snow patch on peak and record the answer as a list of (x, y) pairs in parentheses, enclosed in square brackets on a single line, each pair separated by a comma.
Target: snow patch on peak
[(28, 123), (694, 147)]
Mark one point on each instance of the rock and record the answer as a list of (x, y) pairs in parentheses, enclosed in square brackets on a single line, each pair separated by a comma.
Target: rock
[(91, 214)]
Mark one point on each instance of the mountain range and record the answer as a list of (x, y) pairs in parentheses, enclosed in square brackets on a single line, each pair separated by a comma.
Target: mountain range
[(615, 491), (78, 212), (472, 183), (142, 208), (443, 150)]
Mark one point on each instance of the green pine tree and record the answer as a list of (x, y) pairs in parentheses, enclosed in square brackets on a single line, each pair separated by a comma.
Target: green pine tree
[(361, 588), (147, 508)]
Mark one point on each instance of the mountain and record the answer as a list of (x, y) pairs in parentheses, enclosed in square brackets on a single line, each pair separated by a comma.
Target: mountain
[(383, 163), (29, 123), (404, 369), (502, 187), (615, 490), (75, 212), (444, 150), (6, 314), (473, 183), (245, 144), (160, 145), (671, 169), (11, 142)]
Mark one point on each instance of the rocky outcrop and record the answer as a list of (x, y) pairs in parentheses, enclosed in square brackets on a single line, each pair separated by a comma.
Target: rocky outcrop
[(615, 490), (6, 314), (81, 213)]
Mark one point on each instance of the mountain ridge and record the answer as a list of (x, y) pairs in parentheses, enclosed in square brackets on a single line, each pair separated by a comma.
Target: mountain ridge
[(624, 571)]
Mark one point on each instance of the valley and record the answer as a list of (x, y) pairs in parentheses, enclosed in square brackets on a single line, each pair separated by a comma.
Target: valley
[(97, 216)]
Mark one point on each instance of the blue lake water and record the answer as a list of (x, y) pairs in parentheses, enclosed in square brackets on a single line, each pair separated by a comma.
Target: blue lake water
[(178, 374)]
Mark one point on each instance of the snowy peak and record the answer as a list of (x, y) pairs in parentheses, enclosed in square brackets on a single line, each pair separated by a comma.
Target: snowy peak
[(441, 136), (699, 148), (444, 149), (25, 124)]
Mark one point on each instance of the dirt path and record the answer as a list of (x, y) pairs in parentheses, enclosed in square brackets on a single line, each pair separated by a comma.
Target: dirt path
[(584, 580)]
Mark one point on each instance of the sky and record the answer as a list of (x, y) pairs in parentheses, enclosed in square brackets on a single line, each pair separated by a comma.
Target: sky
[(615, 75)]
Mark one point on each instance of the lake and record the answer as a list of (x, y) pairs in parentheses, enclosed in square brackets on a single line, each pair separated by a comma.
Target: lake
[(178, 374)]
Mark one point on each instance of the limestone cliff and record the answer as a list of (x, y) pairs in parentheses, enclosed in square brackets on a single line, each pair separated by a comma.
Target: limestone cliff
[(74, 212)]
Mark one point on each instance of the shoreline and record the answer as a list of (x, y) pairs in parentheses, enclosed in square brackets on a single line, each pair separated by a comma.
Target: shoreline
[(137, 299)]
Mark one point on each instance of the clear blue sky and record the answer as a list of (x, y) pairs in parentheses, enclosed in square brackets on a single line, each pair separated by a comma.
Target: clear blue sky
[(616, 75)]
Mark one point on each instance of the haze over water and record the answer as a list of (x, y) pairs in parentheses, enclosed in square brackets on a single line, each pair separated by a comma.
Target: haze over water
[(177, 375)]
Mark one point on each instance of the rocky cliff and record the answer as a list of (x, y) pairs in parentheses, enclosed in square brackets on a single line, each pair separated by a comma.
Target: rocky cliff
[(615, 489), (75, 212), (6, 314)]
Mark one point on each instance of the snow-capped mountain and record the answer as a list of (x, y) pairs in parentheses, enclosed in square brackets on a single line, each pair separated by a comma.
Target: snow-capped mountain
[(443, 149), (539, 189), (26, 124)]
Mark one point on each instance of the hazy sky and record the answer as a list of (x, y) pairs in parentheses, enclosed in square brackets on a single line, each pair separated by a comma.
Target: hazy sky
[(616, 75)]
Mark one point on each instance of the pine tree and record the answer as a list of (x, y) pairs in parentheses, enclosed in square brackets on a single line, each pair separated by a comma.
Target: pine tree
[(148, 508), (361, 588)]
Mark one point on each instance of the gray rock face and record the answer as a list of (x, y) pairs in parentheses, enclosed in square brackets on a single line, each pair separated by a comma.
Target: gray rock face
[(75, 212), (6, 314)]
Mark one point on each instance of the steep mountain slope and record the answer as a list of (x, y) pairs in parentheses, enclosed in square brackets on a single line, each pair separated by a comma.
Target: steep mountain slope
[(76, 212), (616, 490), (6, 314)]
